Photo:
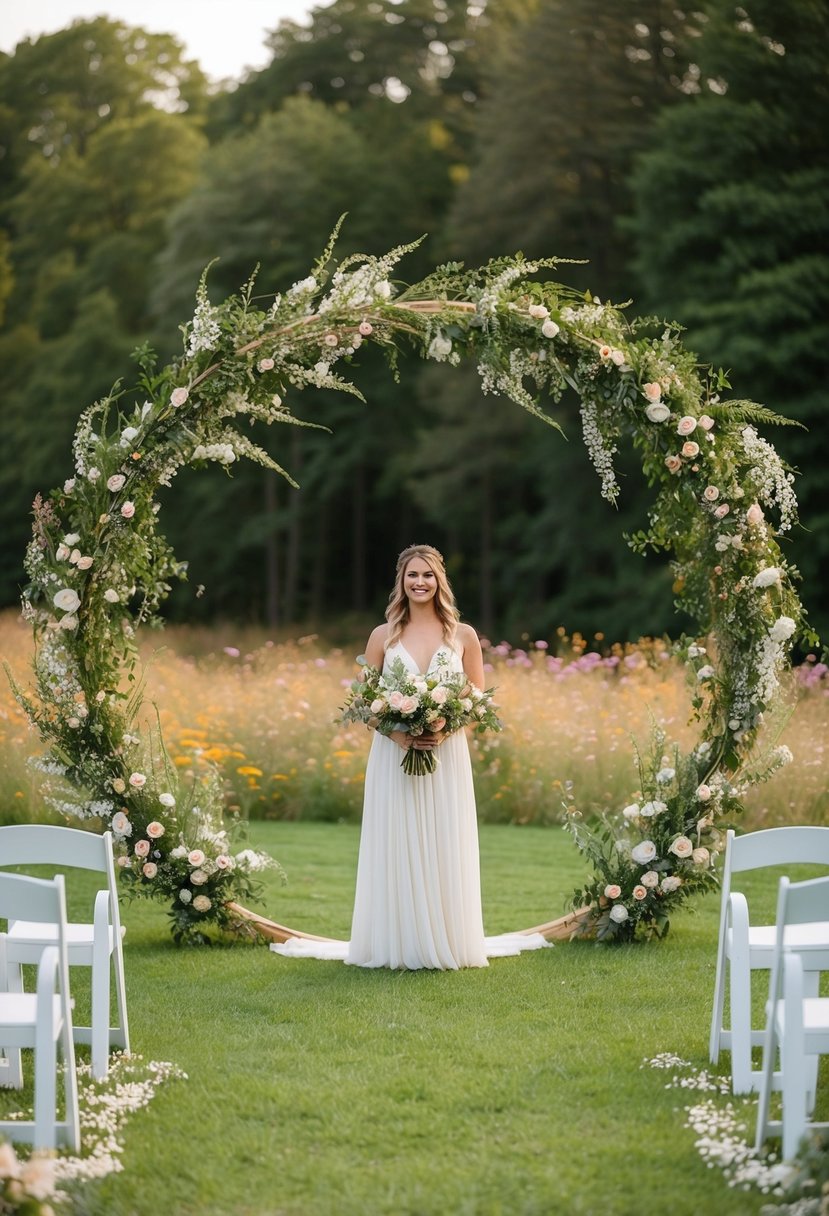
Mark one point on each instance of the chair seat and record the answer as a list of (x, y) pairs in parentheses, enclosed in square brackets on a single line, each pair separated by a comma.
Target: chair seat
[(26, 938), (815, 1021), (18, 1016), (807, 939)]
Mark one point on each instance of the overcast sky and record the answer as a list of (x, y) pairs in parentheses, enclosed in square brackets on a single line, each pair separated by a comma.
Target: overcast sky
[(226, 36)]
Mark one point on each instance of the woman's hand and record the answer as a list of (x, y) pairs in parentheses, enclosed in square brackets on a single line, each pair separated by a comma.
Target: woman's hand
[(430, 740), (402, 738)]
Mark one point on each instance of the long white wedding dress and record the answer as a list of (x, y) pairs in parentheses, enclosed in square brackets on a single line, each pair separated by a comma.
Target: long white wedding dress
[(418, 898)]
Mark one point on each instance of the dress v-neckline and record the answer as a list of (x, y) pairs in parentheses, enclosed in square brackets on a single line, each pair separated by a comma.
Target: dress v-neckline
[(414, 660)]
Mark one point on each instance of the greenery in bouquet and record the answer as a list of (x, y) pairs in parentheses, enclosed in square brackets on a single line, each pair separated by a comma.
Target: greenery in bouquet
[(99, 567), (440, 701)]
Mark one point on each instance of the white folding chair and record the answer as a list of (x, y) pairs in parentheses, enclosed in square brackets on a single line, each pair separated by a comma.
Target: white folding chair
[(89, 944), (797, 1025), (41, 1019), (743, 948)]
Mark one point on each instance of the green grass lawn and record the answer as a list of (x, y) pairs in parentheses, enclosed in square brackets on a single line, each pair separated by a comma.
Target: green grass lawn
[(319, 1089)]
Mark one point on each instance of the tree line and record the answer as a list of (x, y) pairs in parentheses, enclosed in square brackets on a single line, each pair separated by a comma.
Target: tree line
[(679, 158)]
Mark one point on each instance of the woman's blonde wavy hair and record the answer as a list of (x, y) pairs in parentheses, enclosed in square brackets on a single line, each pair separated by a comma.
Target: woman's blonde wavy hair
[(397, 612)]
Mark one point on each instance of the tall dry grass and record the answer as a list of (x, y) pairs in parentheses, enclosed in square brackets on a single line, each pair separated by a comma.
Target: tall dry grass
[(265, 714)]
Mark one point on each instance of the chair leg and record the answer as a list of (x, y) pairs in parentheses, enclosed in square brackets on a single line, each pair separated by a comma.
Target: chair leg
[(740, 993), (13, 1078), (120, 1034), (46, 1063), (714, 1038), (100, 1015), (794, 1098)]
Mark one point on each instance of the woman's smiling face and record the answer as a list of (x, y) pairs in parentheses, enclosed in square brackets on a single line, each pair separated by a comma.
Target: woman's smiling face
[(419, 581)]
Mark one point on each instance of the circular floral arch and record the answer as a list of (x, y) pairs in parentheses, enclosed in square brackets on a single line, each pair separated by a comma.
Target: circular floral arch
[(99, 567)]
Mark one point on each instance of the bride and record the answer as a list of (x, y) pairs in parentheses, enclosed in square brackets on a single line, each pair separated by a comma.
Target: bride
[(418, 898)]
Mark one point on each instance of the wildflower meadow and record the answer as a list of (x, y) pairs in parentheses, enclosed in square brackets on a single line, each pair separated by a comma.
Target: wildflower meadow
[(264, 712)]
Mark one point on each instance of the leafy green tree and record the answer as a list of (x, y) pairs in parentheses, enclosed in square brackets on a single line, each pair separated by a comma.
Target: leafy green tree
[(570, 101), (58, 90), (732, 212)]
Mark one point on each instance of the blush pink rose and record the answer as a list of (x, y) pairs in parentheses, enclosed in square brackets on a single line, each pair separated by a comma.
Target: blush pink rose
[(128, 510), (149, 869), (673, 464), (612, 891), (155, 829), (179, 396), (439, 694), (710, 493), (195, 857), (365, 328), (396, 699), (722, 510), (705, 422), (640, 892), (690, 449), (265, 365), (142, 848), (681, 847), (686, 425), (652, 390), (754, 515), (409, 704)]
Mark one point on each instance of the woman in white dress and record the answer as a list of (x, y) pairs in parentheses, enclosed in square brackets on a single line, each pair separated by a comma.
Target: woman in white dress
[(418, 898)]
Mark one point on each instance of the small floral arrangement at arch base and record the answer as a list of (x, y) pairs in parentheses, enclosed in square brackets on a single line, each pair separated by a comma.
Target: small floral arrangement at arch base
[(442, 700)]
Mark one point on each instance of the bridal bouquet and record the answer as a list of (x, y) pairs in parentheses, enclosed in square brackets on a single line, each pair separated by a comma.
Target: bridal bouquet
[(443, 700)]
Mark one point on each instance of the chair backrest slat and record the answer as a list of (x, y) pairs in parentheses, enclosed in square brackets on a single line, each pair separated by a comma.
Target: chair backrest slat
[(805, 902), (24, 898), (779, 846), (37, 843)]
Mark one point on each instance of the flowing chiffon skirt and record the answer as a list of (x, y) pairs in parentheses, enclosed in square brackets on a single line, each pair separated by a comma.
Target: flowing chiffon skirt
[(418, 897)]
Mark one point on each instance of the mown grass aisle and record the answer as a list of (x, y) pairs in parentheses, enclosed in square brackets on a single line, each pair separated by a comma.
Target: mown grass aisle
[(316, 1088)]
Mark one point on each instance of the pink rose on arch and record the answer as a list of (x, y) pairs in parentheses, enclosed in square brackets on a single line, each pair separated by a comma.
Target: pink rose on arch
[(155, 829), (195, 857), (652, 390), (612, 891), (672, 882), (202, 904), (754, 515), (137, 781), (686, 425), (700, 857), (640, 892), (142, 848), (179, 396), (223, 862), (690, 449), (711, 493), (705, 422), (128, 510), (605, 352), (722, 510), (331, 340), (198, 878), (673, 464), (365, 328), (703, 792), (149, 869), (265, 365), (650, 879)]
